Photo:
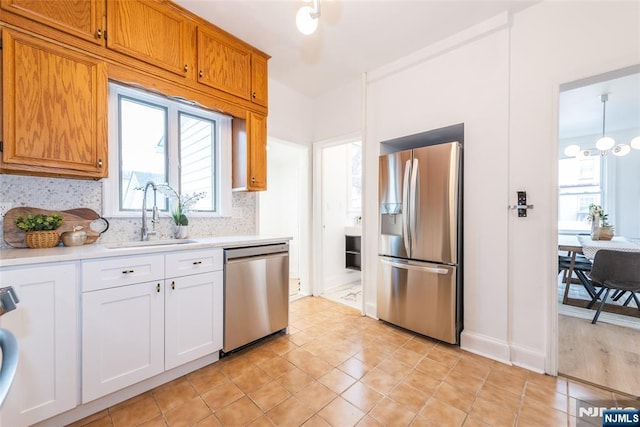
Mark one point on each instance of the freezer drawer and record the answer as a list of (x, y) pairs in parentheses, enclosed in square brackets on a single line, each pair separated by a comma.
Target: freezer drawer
[(421, 297)]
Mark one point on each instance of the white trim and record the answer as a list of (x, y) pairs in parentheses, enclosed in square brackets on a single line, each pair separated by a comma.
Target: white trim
[(528, 358), (485, 346)]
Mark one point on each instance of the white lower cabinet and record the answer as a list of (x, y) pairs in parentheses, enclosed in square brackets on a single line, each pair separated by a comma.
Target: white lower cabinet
[(136, 331), (193, 317), (45, 324), (122, 337)]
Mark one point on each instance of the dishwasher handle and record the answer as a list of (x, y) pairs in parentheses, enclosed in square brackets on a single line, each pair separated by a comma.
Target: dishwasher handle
[(255, 251)]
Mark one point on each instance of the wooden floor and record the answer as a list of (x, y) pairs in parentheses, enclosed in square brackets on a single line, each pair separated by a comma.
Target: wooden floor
[(602, 354)]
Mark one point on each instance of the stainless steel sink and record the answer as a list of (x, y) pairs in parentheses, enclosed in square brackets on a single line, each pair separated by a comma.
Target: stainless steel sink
[(148, 243)]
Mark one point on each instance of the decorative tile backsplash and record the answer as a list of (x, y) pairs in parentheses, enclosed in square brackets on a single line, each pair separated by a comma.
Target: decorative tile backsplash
[(63, 194)]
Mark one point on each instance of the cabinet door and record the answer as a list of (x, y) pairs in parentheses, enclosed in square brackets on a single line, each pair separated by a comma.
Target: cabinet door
[(257, 152), (259, 80), (54, 109), (223, 63), (81, 18), (45, 324), (150, 31), (122, 337), (193, 317)]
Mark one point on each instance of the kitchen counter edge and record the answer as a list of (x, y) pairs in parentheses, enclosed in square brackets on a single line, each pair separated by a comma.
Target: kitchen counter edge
[(23, 256)]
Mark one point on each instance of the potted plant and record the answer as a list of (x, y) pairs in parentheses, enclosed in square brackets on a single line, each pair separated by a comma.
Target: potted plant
[(181, 204), (600, 227), (40, 229)]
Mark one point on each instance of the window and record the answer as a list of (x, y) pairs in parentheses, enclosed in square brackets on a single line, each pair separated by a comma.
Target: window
[(154, 138), (580, 186)]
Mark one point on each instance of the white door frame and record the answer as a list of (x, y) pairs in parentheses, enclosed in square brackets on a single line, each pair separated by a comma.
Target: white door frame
[(317, 206)]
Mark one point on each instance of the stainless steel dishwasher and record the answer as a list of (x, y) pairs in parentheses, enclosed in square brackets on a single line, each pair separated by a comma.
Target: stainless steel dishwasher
[(256, 293)]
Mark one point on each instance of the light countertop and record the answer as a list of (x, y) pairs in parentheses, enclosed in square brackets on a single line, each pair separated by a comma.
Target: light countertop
[(24, 256)]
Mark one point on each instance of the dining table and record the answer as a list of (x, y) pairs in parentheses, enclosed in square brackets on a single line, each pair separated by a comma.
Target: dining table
[(583, 244)]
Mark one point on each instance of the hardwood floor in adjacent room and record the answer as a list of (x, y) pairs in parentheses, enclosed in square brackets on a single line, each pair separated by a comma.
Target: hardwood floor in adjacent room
[(338, 368), (603, 354)]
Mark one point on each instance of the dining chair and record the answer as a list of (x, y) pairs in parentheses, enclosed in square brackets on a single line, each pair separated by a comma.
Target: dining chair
[(581, 267), (615, 270)]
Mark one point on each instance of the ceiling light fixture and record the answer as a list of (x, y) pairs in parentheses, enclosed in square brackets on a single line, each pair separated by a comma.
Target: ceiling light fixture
[(604, 143), (307, 18)]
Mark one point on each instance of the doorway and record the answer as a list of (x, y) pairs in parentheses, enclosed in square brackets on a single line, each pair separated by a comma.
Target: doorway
[(338, 209), (284, 208), (606, 353)]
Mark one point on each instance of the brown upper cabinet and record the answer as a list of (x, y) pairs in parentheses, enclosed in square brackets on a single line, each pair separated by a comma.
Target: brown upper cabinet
[(152, 32), (54, 109), (223, 63), (259, 80), (81, 18)]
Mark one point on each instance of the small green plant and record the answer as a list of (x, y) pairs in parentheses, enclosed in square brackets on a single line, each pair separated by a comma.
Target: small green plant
[(596, 211), (38, 222), (181, 203)]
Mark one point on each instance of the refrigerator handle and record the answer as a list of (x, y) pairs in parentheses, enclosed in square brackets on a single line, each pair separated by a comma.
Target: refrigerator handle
[(407, 266), (405, 208), (415, 206)]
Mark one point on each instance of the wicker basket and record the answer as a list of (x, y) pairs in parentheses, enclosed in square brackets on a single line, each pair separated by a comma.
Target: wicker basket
[(41, 239)]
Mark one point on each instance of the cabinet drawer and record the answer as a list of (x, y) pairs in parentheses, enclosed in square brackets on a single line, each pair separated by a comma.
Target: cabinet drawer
[(112, 272), (193, 262)]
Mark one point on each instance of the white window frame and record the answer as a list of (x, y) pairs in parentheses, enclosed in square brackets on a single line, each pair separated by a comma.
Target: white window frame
[(111, 185)]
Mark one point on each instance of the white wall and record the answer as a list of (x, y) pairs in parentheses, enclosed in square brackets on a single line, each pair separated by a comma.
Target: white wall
[(290, 115), (338, 112), (335, 217), (467, 84), (501, 79), (551, 43)]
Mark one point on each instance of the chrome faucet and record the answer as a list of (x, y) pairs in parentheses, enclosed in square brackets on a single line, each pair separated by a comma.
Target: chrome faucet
[(8, 300), (144, 230)]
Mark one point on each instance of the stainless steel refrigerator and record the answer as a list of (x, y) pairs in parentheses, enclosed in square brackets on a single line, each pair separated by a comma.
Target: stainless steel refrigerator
[(419, 275)]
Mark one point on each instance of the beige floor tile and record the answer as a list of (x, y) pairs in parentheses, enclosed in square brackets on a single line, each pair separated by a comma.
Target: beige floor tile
[(240, 412), (546, 394), (355, 367), (341, 413), (442, 413), (316, 421), (315, 396), (188, 413), (391, 413), (421, 381), (433, 368), (342, 369), (295, 380), (492, 413), (207, 378), (222, 395), (141, 411), (443, 357), (507, 380), (275, 366), (535, 413), (174, 394), (362, 396), (455, 397), (465, 383), (410, 397), (337, 381), (269, 395), (381, 381), (291, 412), (252, 379), (499, 396)]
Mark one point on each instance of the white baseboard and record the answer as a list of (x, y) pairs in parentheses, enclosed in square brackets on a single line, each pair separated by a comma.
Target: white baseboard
[(485, 346), (528, 358)]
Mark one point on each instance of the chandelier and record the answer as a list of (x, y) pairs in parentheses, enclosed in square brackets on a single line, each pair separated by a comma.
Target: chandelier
[(604, 144)]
